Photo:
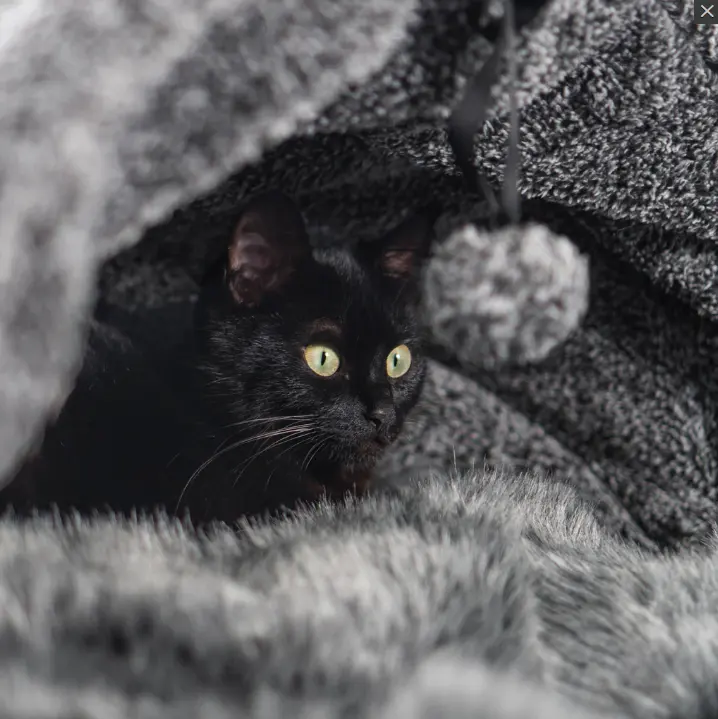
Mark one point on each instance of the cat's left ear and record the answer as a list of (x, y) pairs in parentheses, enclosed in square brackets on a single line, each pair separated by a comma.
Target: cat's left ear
[(269, 242), (402, 252)]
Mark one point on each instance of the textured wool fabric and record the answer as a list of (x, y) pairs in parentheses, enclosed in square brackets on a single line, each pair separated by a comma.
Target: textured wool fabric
[(619, 139)]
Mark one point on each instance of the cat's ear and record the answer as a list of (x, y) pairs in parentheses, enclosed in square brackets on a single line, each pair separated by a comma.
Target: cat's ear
[(401, 253), (268, 243)]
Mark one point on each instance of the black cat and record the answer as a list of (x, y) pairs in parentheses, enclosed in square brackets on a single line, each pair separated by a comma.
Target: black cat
[(300, 370)]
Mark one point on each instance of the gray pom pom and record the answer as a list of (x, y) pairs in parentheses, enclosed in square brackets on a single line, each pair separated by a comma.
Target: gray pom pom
[(505, 296)]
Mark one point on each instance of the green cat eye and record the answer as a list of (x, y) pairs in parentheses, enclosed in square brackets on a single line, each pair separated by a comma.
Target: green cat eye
[(322, 360), (398, 362)]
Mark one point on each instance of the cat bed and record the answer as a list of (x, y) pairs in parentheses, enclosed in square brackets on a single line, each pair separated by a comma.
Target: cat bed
[(579, 345)]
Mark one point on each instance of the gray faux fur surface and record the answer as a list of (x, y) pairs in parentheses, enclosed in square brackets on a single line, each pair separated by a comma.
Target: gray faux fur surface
[(481, 595), (584, 347)]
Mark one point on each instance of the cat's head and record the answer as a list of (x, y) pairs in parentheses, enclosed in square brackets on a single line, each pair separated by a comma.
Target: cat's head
[(321, 347)]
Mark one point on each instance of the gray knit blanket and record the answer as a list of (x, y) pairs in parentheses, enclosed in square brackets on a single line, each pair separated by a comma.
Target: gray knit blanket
[(549, 552)]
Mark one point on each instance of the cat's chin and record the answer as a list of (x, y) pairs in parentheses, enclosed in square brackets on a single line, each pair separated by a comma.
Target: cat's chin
[(363, 457)]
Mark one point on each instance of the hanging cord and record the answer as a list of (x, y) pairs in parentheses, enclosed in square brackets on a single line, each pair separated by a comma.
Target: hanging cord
[(465, 121), (470, 114), (510, 190)]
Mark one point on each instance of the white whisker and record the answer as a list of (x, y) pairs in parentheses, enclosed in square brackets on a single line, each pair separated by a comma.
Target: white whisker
[(267, 420), (314, 450), (281, 432), (283, 440)]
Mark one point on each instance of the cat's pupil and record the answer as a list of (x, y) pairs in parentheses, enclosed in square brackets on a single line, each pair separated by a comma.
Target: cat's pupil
[(324, 358), (395, 359)]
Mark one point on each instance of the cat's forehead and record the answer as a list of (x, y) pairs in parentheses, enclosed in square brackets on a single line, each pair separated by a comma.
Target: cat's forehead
[(342, 262), (353, 285), (353, 297), (331, 327)]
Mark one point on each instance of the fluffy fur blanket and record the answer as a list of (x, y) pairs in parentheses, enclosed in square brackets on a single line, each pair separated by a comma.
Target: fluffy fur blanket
[(581, 344), (477, 596)]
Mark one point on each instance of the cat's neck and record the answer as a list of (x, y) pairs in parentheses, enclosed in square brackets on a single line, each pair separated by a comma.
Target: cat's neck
[(335, 482), (230, 488)]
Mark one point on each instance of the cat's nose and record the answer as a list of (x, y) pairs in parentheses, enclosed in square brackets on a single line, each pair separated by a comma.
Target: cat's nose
[(384, 420), (377, 417)]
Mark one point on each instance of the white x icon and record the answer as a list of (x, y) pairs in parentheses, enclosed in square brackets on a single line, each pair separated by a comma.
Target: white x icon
[(707, 11)]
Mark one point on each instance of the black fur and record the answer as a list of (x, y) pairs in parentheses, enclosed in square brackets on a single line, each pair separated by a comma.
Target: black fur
[(233, 421)]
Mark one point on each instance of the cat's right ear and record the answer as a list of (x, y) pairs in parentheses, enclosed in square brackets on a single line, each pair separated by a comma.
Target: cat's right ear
[(268, 243)]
